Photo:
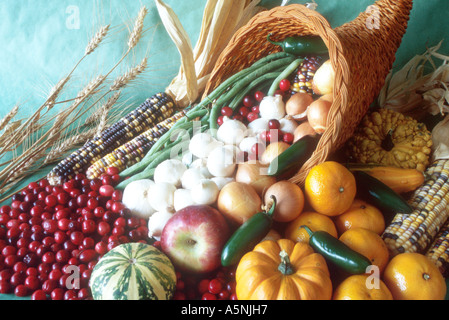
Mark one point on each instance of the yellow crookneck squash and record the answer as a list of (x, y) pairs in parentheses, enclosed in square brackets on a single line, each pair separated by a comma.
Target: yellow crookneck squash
[(389, 138), (283, 270)]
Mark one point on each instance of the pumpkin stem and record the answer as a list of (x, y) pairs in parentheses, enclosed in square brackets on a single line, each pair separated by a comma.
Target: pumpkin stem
[(285, 267), (387, 143)]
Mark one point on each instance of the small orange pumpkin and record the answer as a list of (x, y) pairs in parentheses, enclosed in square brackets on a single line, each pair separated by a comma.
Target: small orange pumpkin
[(283, 270)]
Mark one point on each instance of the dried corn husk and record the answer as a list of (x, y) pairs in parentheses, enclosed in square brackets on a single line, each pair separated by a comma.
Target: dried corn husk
[(413, 92), (221, 19), (440, 140)]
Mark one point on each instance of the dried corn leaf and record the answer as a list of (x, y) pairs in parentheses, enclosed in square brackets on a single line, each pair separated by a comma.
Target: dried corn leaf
[(413, 92), (221, 18), (182, 41)]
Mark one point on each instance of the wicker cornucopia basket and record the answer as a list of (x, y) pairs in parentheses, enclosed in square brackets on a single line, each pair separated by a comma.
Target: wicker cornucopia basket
[(362, 55)]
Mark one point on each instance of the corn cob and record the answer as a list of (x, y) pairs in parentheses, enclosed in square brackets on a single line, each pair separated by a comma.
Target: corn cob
[(133, 151), (303, 78), (153, 110), (438, 252), (415, 232)]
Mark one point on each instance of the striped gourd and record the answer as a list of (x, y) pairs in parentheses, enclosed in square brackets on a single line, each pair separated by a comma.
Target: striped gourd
[(133, 271), (416, 231), (438, 252), (152, 111), (133, 151)]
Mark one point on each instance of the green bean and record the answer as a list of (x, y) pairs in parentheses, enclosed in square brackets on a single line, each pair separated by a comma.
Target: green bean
[(284, 75), (239, 85)]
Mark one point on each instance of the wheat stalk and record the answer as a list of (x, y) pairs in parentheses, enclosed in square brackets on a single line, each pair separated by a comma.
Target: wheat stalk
[(136, 34), (11, 114), (96, 40), (129, 76)]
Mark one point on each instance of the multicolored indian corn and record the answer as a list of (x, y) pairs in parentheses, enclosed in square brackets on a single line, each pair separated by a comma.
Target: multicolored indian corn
[(154, 110), (416, 231), (133, 151), (438, 252)]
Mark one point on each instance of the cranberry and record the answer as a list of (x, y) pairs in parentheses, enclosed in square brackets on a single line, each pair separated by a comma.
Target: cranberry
[(31, 259), (21, 291), (88, 255), (5, 287), (203, 286), (244, 112), (284, 85), (51, 200), (103, 228), (215, 286), (39, 295), (252, 116), (259, 95), (208, 296), (17, 278), (274, 124), (288, 138), (227, 112), (50, 226), (32, 283), (248, 101), (57, 294), (88, 226), (101, 248), (62, 256), (49, 285), (220, 120), (106, 190), (77, 237), (107, 180)]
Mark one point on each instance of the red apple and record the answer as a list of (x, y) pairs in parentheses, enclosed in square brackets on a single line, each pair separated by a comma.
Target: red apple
[(194, 238)]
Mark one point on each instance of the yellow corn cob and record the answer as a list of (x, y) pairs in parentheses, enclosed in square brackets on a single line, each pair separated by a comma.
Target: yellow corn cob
[(152, 111), (438, 252), (415, 232), (133, 151)]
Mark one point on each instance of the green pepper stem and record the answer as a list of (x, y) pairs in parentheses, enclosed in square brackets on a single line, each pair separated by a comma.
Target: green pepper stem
[(273, 42), (285, 267), (310, 232), (270, 212)]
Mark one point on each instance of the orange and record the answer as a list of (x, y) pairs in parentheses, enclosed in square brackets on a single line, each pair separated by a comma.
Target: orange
[(412, 276), (314, 220), (369, 244), (362, 287), (330, 188), (361, 215)]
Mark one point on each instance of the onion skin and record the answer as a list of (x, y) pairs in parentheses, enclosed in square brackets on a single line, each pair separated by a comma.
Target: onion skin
[(297, 105), (317, 115), (290, 200), (272, 151), (323, 81), (254, 174), (304, 129), (238, 202)]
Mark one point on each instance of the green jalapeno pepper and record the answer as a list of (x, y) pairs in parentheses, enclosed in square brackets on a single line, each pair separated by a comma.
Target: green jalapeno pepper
[(337, 252), (301, 46), (294, 157), (247, 236), (378, 194)]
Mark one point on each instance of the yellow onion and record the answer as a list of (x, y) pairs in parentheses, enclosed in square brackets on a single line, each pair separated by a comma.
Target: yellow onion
[(272, 151), (323, 81), (238, 202), (317, 114), (254, 174), (297, 105), (289, 200), (304, 129)]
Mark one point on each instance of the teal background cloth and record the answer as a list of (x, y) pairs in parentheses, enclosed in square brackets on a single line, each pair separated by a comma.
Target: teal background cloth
[(41, 41)]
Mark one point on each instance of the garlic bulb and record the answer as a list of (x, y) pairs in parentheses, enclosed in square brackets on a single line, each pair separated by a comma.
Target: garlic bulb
[(182, 198), (258, 126), (272, 107), (170, 171), (232, 132), (222, 161), (136, 198), (192, 177), (205, 192), (157, 222), (161, 196), (202, 144), (288, 125)]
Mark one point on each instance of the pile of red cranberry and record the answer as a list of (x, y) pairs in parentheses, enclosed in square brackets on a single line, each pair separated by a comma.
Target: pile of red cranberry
[(49, 232)]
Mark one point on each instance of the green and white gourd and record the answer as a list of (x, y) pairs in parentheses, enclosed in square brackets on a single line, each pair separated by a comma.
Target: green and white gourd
[(133, 271)]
